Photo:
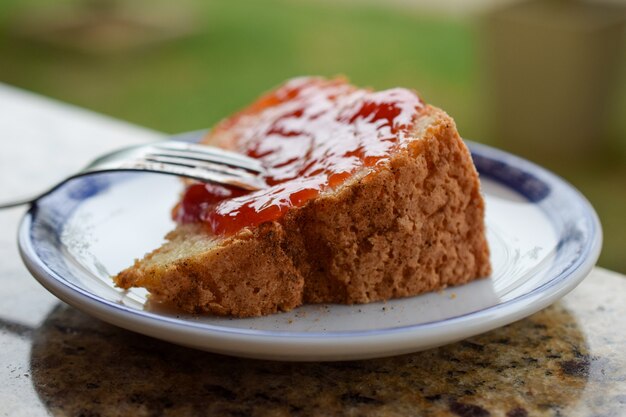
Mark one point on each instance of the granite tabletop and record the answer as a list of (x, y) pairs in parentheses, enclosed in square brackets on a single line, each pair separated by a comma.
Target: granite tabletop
[(567, 360)]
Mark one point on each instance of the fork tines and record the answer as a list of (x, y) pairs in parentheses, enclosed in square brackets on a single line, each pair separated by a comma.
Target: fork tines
[(179, 152), (194, 162)]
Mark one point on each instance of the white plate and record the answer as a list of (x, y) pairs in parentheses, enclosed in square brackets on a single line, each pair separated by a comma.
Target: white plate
[(544, 238)]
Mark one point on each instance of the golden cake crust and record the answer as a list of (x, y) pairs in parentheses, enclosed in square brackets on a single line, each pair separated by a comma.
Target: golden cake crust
[(414, 225)]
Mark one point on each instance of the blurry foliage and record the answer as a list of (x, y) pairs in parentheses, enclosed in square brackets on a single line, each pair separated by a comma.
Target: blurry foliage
[(245, 48), (242, 48)]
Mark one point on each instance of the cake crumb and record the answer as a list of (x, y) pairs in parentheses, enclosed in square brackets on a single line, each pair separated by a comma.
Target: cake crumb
[(453, 296)]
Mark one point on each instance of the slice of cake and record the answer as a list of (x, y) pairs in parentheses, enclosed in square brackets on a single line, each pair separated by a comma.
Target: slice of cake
[(371, 196)]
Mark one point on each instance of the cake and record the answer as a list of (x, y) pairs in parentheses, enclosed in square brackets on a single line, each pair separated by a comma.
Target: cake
[(371, 196)]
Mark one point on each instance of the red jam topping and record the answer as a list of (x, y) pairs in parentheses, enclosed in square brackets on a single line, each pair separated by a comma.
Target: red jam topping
[(311, 135)]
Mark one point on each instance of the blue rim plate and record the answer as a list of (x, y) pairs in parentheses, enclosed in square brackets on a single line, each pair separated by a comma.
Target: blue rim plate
[(544, 237)]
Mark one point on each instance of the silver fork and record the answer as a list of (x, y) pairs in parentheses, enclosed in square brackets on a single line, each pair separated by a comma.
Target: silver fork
[(200, 162)]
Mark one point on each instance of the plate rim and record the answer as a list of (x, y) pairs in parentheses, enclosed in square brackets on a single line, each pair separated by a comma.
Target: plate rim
[(503, 313)]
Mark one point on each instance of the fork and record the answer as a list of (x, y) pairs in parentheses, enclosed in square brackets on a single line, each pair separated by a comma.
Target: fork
[(199, 162)]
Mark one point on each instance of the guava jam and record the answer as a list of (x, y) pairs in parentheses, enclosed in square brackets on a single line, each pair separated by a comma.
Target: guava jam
[(311, 135)]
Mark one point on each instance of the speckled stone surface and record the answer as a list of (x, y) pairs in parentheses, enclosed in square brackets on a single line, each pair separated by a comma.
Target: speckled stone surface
[(567, 360)]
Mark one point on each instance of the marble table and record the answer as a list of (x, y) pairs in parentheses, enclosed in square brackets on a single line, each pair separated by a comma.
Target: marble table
[(567, 360)]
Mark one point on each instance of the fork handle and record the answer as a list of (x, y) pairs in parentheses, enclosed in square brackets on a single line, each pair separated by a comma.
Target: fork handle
[(16, 203)]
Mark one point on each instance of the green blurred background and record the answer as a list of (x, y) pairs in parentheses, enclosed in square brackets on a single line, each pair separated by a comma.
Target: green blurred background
[(546, 80)]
